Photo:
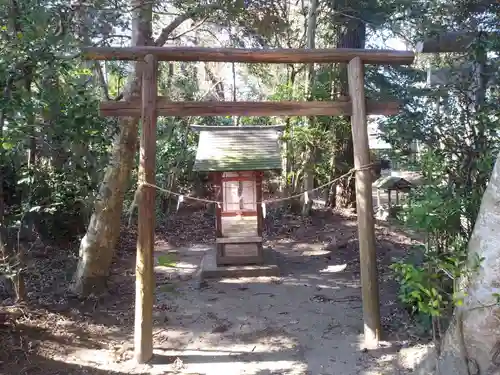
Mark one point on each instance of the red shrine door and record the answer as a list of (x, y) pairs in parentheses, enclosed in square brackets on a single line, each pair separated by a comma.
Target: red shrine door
[(239, 218)]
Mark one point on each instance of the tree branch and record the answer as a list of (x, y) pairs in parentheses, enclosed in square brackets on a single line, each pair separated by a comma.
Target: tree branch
[(191, 29), (102, 79), (165, 33)]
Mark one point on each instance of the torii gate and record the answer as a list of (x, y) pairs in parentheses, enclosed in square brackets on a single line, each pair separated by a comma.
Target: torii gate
[(150, 106)]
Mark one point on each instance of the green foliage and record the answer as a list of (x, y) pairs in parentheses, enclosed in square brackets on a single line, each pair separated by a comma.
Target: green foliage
[(53, 143), (457, 131), (54, 146), (418, 289), (428, 282)]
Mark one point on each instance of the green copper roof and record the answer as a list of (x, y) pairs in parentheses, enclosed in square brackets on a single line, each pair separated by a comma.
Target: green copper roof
[(238, 149), (392, 182)]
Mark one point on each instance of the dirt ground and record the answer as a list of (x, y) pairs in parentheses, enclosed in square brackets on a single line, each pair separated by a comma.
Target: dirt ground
[(307, 321)]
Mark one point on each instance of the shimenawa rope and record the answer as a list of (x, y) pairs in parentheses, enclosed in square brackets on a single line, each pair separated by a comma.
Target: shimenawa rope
[(273, 200)]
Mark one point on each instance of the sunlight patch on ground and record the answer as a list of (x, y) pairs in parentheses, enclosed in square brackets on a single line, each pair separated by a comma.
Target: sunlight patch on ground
[(95, 357), (239, 367), (244, 280), (180, 265), (334, 268), (228, 362), (65, 322), (382, 345), (252, 348), (306, 280), (285, 240), (315, 252), (307, 284)]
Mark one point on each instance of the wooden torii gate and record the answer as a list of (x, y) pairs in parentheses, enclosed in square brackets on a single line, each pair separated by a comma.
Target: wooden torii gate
[(150, 106)]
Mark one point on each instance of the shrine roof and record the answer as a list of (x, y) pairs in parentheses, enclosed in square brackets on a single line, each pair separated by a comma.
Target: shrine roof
[(242, 148), (397, 182)]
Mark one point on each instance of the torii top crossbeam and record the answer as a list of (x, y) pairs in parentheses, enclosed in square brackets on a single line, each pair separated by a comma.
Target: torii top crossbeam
[(276, 56)]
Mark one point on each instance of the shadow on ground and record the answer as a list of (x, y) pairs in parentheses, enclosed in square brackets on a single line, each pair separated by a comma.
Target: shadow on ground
[(42, 366), (307, 321)]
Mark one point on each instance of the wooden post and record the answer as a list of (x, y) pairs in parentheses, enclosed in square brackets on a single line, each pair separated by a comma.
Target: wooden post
[(364, 202), (260, 220), (144, 271), (258, 199), (218, 215)]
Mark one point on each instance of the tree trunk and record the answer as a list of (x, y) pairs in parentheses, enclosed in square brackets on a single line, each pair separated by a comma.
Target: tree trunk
[(345, 196), (3, 226), (310, 161), (352, 35), (471, 344), (167, 91), (98, 244), (14, 249), (285, 188)]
